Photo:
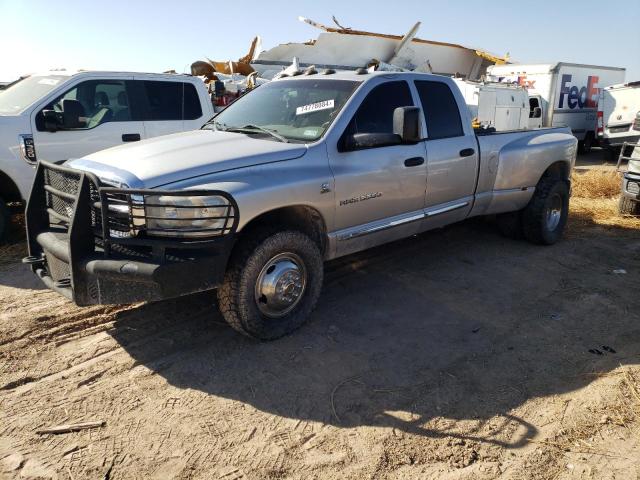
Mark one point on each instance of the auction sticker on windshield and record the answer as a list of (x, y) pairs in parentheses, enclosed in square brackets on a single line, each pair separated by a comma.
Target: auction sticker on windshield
[(314, 107)]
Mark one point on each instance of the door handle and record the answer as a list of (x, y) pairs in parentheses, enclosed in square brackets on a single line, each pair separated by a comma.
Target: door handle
[(130, 137), (413, 161), (467, 152)]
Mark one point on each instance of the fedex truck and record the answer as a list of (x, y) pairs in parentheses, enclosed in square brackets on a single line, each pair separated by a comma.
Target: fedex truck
[(561, 93)]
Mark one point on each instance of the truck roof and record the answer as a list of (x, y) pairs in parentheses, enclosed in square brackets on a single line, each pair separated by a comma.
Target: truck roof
[(623, 85), (106, 73), (546, 67), (355, 75)]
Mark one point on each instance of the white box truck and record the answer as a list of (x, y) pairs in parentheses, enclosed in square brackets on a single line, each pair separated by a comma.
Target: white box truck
[(566, 93), (618, 108)]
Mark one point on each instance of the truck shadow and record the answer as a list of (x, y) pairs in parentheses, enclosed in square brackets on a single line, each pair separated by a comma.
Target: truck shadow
[(440, 335)]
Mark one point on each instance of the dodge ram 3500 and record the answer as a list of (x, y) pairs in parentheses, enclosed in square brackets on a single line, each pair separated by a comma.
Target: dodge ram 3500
[(301, 170)]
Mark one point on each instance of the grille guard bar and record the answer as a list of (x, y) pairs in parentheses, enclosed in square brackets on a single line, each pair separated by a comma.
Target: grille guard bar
[(84, 232)]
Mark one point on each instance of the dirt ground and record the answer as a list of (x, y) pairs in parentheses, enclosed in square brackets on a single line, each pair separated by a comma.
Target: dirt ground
[(456, 354)]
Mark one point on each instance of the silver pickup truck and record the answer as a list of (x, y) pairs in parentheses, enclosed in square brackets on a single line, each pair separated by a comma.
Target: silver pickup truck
[(303, 169)]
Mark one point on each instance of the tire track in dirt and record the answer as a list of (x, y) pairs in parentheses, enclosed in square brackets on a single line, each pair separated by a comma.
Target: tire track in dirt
[(26, 384)]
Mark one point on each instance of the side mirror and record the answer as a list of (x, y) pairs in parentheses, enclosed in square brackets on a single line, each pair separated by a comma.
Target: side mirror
[(52, 120), (360, 141), (407, 124), (537, 112)]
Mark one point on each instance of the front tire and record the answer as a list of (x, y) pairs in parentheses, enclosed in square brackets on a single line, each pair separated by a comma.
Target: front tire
[(544, 218), (627, 206), (272, 284)]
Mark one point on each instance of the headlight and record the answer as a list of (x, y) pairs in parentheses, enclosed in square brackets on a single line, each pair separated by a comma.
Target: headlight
[(182, 216)]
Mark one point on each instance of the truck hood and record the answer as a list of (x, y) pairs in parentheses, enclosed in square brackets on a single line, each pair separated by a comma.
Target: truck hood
[(162, 160)]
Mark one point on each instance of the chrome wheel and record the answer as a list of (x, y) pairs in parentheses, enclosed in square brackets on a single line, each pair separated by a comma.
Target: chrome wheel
[(554, 212), (280, 285)]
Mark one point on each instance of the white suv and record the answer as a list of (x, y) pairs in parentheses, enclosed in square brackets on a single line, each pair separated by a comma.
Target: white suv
[(57, 116)]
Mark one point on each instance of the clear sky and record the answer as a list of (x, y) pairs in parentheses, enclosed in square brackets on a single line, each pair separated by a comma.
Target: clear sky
[(137, 35)]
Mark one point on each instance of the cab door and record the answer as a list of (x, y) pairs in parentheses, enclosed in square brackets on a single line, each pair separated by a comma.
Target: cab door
[(379, 192), (452, 153), (171, 106), (92, 115)]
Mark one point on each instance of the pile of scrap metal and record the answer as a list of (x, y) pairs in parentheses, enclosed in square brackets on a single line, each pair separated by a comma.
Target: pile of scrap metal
[(347, 49), (226, 81), (341, 49)]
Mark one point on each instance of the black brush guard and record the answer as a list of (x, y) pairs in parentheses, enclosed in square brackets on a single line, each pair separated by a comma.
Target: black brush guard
[(90, 242)]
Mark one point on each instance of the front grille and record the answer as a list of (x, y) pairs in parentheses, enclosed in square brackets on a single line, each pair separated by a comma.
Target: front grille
[(118, 222), (61, 189), (98, 219), (58, 269), (633, 187)]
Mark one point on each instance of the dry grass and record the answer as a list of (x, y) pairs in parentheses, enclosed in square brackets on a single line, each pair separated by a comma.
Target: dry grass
[(596, 184), (594, 201)]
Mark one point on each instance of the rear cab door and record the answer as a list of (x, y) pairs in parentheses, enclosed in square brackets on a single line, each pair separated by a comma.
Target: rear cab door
[(98, 112), (451, 151), (170, 104)]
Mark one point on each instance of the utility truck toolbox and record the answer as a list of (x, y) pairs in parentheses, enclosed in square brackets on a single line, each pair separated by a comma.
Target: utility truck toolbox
[(298, 171)]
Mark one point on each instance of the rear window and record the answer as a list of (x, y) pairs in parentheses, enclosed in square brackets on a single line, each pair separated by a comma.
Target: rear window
[(441, 110), (165, 101)]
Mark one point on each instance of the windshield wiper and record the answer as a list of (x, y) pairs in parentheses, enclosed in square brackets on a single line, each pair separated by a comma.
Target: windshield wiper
[(253, 128)]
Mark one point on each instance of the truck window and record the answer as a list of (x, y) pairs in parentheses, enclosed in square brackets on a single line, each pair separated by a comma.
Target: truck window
[(165, 101), (534, 103), (441, 111), (375, 114), (89, 104)]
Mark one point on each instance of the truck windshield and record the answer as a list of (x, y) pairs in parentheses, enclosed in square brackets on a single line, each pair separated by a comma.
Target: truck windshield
[(299, 110), (20, 95)]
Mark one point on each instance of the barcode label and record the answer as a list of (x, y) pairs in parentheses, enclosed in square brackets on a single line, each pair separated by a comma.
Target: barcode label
[(314, 107)]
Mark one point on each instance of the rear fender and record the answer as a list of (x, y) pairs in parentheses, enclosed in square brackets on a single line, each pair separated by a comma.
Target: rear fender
[(518, 167), (522, 162)]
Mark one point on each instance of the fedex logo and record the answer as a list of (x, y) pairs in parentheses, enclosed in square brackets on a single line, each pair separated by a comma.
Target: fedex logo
[(587, 96), (526, 83)]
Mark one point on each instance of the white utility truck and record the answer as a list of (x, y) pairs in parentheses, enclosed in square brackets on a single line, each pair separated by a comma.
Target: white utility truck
[(565, 93), (618, 107), (60, 115), (494, 105)]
